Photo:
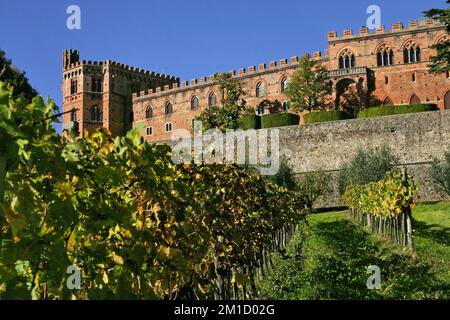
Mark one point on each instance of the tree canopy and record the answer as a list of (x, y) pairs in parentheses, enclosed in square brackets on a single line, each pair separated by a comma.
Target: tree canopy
[(441, 62)]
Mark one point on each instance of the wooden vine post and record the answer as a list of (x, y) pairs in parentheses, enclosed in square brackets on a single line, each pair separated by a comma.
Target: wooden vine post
[(407, 211)]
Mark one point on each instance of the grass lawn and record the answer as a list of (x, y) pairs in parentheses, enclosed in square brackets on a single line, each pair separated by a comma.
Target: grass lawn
[(331, 263)]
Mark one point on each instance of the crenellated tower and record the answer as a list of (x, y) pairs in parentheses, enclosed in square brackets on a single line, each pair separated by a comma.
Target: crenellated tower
[(102, 93)]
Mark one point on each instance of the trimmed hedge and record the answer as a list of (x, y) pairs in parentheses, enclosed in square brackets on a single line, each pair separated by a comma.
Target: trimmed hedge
[(250, 121), (399, 109), (324, 116), (279, 120)]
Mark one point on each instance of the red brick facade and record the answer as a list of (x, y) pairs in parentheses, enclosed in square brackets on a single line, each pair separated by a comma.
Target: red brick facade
[(374, 60)]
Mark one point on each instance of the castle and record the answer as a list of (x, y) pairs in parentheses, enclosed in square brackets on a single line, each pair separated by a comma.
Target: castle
[(392, 65)]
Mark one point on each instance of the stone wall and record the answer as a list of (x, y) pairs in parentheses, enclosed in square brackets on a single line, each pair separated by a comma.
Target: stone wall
[(415, 139)]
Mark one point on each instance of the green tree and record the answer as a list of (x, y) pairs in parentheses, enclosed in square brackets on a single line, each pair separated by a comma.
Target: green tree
[(368, 165), (440, 62), (226, 116), (15, 78), (440, 173), (309, 86)]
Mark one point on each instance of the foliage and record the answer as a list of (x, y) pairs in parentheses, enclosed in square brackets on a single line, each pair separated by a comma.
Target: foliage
[(137, 226), (385, 198), (392, 110), (250, 121), (312, 186), (226, 116), (230, 89), (279, 120), (440, 62), (440, 173), (332, 261), (15, 78), (384, 206), (285, 176), (324, 116), (309, 86), (367, 166)]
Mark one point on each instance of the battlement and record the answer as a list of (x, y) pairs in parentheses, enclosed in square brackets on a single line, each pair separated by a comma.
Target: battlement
[(71, 61), (240, 73), (396, 27)]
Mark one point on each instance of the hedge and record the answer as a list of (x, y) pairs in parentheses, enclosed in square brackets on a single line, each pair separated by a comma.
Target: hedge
[(398, 109), (279, 120), (251, 121), (324, 116)]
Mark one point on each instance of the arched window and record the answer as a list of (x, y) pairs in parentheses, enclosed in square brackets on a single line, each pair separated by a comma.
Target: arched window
[(212, 99), (388, 102), (412, 53), (149, 131), (385, 57), (96, 115), (194, 103), (447, 101), (413, 77), (73, 115), (168, 108), (261, 108), (285, 106), (414, 100), (386, 80), (260, 90), (284, 84), (149, 112), (347, 60)]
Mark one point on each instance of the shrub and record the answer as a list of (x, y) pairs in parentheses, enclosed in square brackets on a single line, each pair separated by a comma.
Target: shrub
[(285, 176), (312, 186), (367, 166), (392, 110), (440, 173), (324, 116), (279, 120), (251, 121)]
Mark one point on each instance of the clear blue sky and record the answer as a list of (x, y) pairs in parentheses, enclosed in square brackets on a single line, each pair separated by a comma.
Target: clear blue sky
[(185, 38)]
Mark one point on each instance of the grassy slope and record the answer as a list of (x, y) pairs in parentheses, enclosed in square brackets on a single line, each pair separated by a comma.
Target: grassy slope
[(336, 255)]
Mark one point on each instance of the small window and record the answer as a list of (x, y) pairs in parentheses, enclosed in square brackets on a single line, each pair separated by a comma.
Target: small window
[(194, 103), (149, 131), (168, 108), (73, 115), (168, 127), (260, 90), (284, 84), (148, 112), (212, 99), (96, 115), (386, 80), (285, 106), (413, 77), (73, 87)]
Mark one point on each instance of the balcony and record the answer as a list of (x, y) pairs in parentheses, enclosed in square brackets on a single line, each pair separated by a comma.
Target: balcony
[(356, 71)]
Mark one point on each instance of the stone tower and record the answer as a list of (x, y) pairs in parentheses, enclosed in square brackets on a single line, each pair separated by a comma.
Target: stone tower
[(102, 93)]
